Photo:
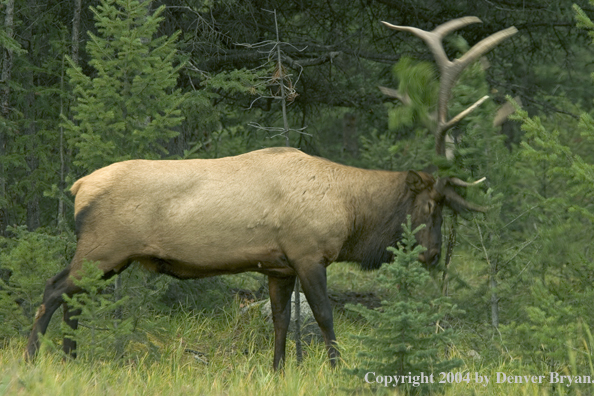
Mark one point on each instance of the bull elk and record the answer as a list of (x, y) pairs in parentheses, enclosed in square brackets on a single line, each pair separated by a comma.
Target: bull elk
[(276, 211)]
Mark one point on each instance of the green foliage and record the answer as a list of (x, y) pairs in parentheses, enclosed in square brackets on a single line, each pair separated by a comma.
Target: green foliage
[(9, 43), (583, 21), (558, 192), (542, 336), (555, 158), (238, 81), (130, 107), (383, 152), (28, 165), (30, 258), (404, 337), (409, 143), (561, 188), (418, 85), (99, 325)]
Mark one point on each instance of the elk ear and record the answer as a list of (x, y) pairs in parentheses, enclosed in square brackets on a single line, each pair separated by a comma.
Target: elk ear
[(415, 182)]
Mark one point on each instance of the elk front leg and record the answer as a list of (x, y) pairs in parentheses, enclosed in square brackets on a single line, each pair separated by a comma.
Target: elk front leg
[(312, 275)]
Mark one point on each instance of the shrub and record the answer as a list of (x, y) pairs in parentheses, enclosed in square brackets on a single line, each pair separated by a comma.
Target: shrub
[(408, 334)]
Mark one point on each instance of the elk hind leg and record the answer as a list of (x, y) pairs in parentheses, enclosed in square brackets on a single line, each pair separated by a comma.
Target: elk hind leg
[(280, 290), (69, 344), (52, 298)]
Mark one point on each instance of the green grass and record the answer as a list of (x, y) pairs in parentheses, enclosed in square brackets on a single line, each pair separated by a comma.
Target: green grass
[(349, 277), (238, 350)]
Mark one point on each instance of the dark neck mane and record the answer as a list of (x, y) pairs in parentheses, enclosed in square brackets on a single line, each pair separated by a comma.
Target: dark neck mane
[(377, 225)]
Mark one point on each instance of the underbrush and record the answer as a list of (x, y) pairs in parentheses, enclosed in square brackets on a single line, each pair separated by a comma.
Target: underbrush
[(230, 353)]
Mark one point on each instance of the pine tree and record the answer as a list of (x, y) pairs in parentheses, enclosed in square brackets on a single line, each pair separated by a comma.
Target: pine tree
[(405, 338), (129, 107)]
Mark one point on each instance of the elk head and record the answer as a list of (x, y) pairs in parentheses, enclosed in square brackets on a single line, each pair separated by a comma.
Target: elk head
[(430, 197)]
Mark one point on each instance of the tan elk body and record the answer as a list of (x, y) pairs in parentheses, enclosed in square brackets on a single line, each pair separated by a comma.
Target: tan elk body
[(229, 215)]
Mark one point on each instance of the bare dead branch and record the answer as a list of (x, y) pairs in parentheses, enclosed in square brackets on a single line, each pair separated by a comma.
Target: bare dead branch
[(299, 64)]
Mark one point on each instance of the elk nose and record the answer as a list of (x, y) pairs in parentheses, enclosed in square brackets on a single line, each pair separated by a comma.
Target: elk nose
[(435, 260), (430, 257)]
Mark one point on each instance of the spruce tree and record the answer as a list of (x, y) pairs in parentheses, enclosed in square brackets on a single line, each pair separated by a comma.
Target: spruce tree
[(129, 107), (405, 338), (99, 328)]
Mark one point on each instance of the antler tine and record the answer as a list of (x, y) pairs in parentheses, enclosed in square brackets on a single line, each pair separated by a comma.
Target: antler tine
[(448, 27), (450, 76), (432, 39), (462, 114), (461, 183), (455, 201), (485, 45)]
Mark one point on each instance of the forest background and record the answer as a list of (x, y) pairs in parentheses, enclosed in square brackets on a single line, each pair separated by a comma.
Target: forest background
[(85, 85)]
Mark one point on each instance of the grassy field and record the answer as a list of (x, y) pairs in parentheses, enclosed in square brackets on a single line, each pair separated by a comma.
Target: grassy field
[(235, 358), (238, 357)]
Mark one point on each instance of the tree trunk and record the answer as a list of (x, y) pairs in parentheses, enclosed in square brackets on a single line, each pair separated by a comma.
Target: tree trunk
[(30, 131), (62, 183), (349, 134), (75, 31), (494, 300), (5, 108), (493, 286)]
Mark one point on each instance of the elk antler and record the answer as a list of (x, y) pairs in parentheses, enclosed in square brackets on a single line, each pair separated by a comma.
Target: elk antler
[(461, 183), (451, 70), (443, 186)]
